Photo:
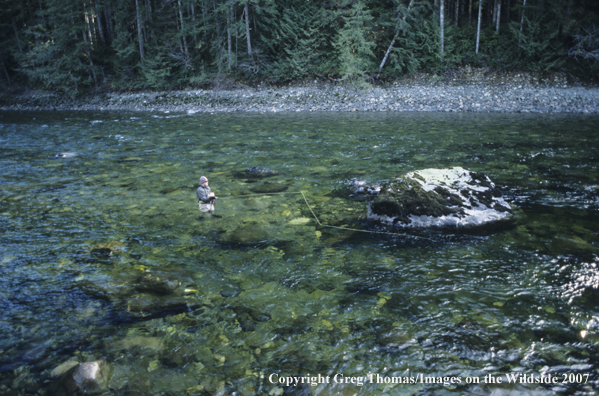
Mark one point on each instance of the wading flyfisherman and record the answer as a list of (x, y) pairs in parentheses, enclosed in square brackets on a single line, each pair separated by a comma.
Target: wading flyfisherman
[(206, 197)]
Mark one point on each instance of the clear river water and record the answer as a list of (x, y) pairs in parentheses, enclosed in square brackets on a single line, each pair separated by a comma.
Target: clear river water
[(104, 255)]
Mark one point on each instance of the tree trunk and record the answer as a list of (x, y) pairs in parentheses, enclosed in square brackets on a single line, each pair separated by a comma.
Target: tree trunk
[(98, 13), (90, 20), (140, 36), (480, 13), (14, 25), (247, 28), (193, 20), (88, 27), (255, 27), (470, 13), (6, 72), (89, 57), (498, 15), (457, 12), (180, 42), (229, 43), (393, 41), (521, 22), (185, 48), (109, 25), (219, 37), (147, 29), (442, 22), (148, 10), (494, 11)]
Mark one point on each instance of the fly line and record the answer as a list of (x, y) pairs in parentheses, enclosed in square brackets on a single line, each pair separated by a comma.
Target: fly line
[(318, 220)]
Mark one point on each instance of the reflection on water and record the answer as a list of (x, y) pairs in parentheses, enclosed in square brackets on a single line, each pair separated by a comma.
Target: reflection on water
[(104, 254)]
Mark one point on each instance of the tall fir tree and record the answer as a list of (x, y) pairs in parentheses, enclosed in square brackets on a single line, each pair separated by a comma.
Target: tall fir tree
[(354, 45)]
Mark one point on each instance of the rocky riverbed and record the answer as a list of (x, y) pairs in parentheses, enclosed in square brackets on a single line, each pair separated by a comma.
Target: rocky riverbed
[(469, 92)]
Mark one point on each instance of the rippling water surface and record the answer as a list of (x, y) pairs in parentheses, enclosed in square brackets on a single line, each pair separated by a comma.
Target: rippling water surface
[(103, 254)]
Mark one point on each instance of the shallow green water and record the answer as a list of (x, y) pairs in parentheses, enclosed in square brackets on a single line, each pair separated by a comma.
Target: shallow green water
[(103, 255)]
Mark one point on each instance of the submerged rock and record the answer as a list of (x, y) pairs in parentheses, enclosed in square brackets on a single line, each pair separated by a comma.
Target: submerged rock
[(454, 197), (149, 306), (63, 368), (108, 249), (250, 234), (169, 190), (269, 188), (156, 284), (179, 356), (145, 344), (88, 378), (263, 233), (255, 172)]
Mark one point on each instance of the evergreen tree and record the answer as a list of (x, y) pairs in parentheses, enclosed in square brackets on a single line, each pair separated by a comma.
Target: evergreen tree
[(298, 42), (354, 46), (126, 58), (59, 55), (401, 24), (75, 44), (10, 42)]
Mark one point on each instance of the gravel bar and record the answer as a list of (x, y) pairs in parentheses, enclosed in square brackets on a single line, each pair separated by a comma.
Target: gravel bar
[(483, 98)]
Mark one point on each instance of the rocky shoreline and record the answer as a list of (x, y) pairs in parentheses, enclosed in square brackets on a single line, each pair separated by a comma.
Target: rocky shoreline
[(518, 93)]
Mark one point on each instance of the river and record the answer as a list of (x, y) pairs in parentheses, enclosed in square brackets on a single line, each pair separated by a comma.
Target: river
[(104, 255)]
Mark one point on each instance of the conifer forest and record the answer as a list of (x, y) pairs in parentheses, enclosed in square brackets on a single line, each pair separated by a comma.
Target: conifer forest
[(77, 45)]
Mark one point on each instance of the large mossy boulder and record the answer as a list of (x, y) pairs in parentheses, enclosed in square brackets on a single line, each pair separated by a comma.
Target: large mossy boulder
[(454, 197)]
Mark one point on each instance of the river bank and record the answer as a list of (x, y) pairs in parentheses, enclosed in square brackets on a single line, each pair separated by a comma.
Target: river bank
[(516, 93)]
